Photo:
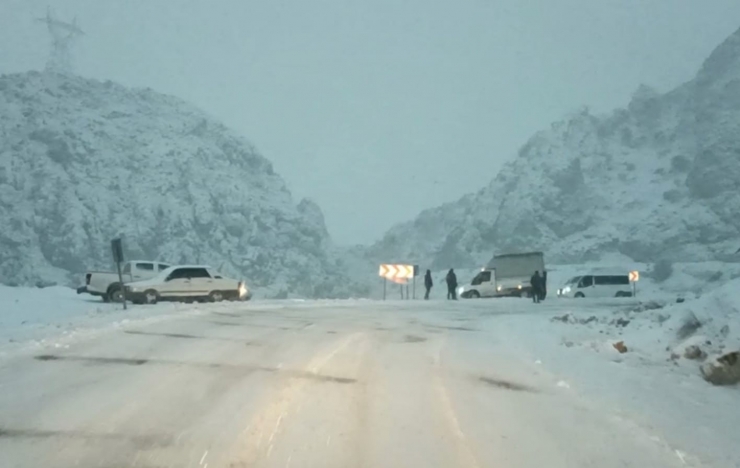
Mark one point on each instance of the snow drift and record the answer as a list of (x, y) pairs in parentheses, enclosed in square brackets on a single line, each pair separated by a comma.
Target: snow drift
[(661, 331)]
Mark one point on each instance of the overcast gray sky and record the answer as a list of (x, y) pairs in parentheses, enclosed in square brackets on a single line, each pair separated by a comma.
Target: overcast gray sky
[(378, 109)]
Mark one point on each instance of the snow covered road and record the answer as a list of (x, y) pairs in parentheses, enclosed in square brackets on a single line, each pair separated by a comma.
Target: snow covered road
[(333, 384)]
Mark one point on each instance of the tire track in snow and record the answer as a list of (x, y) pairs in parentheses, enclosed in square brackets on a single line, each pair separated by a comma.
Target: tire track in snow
[(464, 450), (259, 436)]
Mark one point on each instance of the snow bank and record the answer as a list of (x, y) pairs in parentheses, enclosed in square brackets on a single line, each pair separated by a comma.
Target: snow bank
[(717, 317), (660, 331), (53, 316)]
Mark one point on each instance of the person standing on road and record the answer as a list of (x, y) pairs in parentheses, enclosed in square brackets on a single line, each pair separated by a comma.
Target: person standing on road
[(536, 282), (543, 286), (428, 283), (451, 285)]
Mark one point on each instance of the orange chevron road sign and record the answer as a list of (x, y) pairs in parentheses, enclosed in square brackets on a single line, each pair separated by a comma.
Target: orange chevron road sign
[(396, 272)]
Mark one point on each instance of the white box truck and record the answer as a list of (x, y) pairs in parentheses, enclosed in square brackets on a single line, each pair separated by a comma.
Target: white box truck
[(506, 275)]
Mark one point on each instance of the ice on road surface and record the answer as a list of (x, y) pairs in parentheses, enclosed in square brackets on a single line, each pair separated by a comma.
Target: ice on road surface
[(354, 384)]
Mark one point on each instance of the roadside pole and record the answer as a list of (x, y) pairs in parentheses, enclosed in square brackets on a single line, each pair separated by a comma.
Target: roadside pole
[(634, 277), (117, 248), (399, 274)]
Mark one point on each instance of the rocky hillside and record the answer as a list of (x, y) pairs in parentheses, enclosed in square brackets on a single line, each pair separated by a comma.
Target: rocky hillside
[(83, 161), (657, 180)]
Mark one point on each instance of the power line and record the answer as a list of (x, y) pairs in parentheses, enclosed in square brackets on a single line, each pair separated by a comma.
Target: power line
[(63, 35)]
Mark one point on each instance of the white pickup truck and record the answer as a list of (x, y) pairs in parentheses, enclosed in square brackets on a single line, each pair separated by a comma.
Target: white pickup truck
[(107, 285)]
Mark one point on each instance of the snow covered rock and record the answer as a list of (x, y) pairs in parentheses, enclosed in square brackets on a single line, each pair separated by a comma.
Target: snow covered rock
[(565, 318), (620, 346), (652, 181), (693, 329), (694, 352), (723, 370), (83, 161)]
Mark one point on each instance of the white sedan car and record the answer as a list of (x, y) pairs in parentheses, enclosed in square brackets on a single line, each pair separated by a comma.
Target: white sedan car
[(187, 283)]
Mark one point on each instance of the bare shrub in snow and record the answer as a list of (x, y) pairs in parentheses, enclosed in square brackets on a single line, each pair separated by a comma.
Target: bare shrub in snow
[(650, 305), (694, 352), (672, 196), (689, 325), (715, 277), (662, 270), (680, 163)]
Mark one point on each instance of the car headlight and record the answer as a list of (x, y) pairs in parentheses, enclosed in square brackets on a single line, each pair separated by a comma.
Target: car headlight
[(242, 290), (566, 290), (461, 289), (520, 286), (498, 288)]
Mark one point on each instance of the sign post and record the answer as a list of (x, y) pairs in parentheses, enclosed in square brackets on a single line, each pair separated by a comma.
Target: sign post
[(634, 278), (117, 248), (416, 273), (399, 274)]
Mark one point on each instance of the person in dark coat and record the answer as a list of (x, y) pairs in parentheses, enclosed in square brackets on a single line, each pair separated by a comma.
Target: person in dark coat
[(428, 283), (451, 285), (543, 288), (536, 282)]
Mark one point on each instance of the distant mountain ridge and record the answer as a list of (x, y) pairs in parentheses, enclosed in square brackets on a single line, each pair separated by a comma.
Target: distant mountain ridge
[(83, 161), (656, 180)]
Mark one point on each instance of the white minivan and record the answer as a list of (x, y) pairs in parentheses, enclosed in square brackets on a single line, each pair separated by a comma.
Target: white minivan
[(597, 285)]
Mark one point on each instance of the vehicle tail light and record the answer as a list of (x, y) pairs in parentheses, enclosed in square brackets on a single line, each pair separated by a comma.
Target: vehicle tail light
[(87, 278)]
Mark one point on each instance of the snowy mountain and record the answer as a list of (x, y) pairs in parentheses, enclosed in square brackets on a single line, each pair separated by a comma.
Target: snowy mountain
[(654, 181), (82, 162)]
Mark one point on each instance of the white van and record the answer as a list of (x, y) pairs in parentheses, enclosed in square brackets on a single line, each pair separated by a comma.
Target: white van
[(597, 285), (506, 275)]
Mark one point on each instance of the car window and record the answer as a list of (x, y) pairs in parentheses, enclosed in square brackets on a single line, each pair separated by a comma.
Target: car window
[(586, 281), (127, 268), (190, 273), (477, 280), (199, 273), (621, 279), (177, 273), (482, 277), (611, 280), (162, 266), (145, 266)]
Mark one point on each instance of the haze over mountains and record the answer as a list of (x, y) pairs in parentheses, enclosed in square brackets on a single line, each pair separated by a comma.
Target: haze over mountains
[(83, 161), (655, 180)]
